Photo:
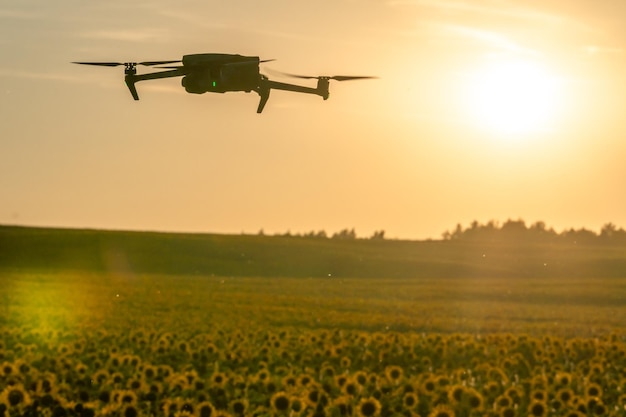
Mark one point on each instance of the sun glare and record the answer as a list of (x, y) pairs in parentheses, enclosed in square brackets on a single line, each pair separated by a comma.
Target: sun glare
[(513, 98)]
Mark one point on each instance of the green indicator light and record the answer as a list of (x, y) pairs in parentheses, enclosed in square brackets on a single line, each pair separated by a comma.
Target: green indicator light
[(214, 84)]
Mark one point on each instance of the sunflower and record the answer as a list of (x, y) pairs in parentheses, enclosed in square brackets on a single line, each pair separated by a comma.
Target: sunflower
[(316, 395), (429, 386), (304, 380), (596, 406), (410, 400), (368, 407), (47, 385), (149, 372), (562, 379), (100, 376), (289, 381), (280, 402), (537, 409), (515, 393), (345, 362), (394, 374), (136, 384), (187, 407), (297, 405), (507, 412), (344, 406), (130, 410), (574, 413), (219, 379), (442, 410), (503, 401), (492, 389), (15, 397), (204, 409), (262, 376), (327, 372), (539, 395), (178, 383), (360, 377), (341, 380), (239, 406), (116, 379), (565, 395), (351, 388), (593, 390), (456, 393), (7, 369), (473, 400)]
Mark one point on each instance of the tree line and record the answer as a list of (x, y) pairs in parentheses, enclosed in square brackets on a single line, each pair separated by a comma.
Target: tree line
[(344, 234), (538, 231), (514, 230)]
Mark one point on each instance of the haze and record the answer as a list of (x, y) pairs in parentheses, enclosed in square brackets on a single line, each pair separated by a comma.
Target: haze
[(483, 110)]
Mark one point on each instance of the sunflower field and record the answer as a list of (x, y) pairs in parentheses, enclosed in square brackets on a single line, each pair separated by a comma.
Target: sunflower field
[(95, 344)]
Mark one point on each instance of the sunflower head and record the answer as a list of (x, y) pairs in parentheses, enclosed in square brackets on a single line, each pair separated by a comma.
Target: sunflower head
[(368, 407), (593, 390), (219, 379), (239, 406), (280, 402), (410, 400), (441, 410), (508, 412), (205, 409), (537, 408), (15, 397), (394, 374), (130, 411), (456, 393), (473, 399)]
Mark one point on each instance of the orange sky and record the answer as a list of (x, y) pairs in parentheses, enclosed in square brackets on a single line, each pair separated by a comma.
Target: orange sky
[(483, 110)]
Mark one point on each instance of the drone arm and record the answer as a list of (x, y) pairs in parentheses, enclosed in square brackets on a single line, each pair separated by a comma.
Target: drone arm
[(266, 85), (131, 79), (297, 88)]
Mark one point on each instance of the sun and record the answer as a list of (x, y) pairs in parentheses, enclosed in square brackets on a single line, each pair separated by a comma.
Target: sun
[(513, 98)]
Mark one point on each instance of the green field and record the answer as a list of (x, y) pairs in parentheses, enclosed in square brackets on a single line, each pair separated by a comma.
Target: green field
[(127, 324)]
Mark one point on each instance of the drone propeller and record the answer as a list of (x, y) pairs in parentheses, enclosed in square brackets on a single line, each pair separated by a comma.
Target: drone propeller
[(126, 64), (327, 77), (229, 64)]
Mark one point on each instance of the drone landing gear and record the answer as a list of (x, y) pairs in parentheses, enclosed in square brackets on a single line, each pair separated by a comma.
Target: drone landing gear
[(264, 92), (130, 82)]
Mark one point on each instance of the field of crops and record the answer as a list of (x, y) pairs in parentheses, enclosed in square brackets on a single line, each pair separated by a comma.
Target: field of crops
[(80, 344)]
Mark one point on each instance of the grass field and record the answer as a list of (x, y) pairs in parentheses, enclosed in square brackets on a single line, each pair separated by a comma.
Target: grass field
[(116, 338)]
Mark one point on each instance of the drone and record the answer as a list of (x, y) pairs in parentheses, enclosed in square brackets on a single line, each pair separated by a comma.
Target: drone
[(221, 73)]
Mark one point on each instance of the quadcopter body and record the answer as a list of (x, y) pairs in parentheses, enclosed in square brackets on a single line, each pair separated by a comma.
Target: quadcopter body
[(221, 73)]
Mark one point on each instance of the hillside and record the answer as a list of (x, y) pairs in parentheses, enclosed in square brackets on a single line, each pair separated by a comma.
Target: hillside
[(24, 248)]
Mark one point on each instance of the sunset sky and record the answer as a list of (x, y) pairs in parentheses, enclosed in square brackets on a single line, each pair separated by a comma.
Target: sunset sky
[(482, 110)]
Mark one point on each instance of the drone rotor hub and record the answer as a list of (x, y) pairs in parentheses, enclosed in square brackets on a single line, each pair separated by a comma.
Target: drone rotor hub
[(130, 68)]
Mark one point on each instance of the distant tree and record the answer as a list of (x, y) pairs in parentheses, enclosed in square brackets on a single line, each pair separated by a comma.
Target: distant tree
[(540, 232), (345, 234), (608, 231), (458, 232), (513, 227), (316, 235), (582, 236), (378, 235)]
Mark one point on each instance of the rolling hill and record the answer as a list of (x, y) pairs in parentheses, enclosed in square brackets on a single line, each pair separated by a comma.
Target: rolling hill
[(48, 249)]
